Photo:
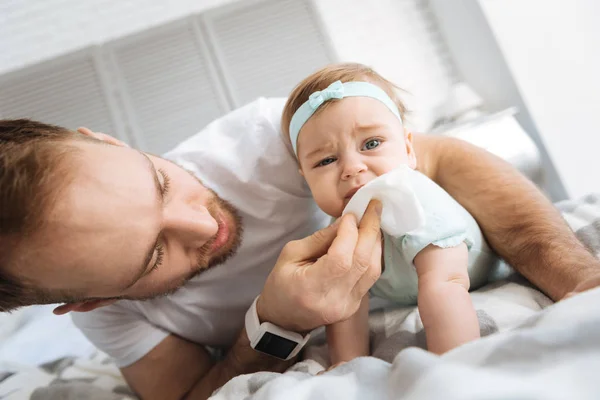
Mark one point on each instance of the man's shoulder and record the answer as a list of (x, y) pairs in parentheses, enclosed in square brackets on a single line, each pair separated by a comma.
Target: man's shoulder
[(259, 118), (263, 112), (244, 152), (101, 317), (271, 109)]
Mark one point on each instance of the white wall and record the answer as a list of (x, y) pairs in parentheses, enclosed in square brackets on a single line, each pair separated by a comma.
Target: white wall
[(552, 48), (480, 63)]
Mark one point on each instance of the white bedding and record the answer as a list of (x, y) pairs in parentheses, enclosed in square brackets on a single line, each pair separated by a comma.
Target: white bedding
[(555, 354)]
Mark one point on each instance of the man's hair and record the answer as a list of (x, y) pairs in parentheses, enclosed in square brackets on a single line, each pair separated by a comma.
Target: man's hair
[(321, 79), (32, 172)]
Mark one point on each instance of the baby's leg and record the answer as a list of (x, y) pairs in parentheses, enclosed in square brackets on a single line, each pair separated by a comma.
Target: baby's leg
[(444, 302), (350, 338)]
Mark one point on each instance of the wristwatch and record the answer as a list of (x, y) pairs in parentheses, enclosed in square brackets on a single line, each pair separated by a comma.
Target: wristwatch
[(271, 339)]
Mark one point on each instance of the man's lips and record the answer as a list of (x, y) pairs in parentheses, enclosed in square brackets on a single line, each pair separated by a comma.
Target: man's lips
[(222, 235)]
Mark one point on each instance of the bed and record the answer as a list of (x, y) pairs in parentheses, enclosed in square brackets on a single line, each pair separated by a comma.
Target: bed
[(531, 349)]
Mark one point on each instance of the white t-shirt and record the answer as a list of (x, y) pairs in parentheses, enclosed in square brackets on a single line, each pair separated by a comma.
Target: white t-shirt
[(242, 157)]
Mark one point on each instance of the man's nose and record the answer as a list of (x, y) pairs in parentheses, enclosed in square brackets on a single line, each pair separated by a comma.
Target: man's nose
[(194, 226), (353, 165)]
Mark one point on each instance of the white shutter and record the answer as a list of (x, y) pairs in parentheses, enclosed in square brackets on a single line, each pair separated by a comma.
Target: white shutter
[(167, 83), (401, 40), (264, 48), (67, 91)]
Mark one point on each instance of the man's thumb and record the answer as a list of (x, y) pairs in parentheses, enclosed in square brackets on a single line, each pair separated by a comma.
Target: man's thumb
[(317, 244)]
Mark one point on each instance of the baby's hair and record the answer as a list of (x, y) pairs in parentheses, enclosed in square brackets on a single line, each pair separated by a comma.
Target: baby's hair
[(319, 80)]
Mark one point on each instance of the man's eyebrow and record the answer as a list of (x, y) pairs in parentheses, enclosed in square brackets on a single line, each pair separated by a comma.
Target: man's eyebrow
[(150, 252)]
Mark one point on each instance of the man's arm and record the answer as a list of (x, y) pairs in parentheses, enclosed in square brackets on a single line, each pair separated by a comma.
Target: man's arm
[(179, 369), (518, 221)]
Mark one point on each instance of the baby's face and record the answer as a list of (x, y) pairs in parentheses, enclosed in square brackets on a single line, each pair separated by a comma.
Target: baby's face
[(348, 144)]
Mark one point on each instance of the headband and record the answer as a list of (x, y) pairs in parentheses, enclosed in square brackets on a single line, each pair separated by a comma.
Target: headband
[(337, 90)]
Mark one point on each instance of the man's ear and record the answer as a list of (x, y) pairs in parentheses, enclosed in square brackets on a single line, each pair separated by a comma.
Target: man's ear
[(102, 137), (82, 306), (410, 151)]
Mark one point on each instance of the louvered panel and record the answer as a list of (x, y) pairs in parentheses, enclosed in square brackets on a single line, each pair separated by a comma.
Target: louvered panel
[(401, 40), (264, 48), (169, 87), (66, 91)]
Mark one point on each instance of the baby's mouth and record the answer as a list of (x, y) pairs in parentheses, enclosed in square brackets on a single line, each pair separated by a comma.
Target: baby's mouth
[(351, 193)]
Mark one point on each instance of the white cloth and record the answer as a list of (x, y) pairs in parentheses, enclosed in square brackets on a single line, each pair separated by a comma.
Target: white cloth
[(402, 212), (242, 157)]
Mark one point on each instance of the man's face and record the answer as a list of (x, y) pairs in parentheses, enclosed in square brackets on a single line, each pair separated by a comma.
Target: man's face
[(127, 225)]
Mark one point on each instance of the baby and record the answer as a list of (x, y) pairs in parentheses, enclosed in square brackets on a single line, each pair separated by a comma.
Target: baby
[(346, 127)]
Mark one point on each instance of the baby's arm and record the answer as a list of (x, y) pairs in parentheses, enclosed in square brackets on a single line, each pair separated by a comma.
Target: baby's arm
[(350, 338), (444, 302)]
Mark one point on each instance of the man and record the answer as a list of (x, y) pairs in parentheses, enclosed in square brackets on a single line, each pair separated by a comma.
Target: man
[(91, 223)]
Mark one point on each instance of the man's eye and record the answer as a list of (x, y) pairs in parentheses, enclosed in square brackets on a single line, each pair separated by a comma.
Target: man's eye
[(160, 253), (371, 144), (325, 162), (165, 181)]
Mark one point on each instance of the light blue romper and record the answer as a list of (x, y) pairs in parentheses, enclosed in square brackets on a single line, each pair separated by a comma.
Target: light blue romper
[(447, 224)]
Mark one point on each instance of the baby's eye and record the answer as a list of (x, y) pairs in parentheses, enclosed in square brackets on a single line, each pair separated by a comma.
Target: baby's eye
[(325, 162), (371, 144)]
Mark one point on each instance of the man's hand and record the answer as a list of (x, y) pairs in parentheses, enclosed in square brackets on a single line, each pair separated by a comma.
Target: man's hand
[(588, 284), (322, 279)]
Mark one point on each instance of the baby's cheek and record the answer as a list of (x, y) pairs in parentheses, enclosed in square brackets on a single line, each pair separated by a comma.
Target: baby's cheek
[(390, 163), (324, 192), (328, 201)]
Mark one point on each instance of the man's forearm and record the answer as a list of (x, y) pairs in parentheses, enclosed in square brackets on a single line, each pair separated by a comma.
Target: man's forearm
[(241, 359), (517, 219)]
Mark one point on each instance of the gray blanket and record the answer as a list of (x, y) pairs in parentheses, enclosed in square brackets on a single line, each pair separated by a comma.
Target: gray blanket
[(531, 350)]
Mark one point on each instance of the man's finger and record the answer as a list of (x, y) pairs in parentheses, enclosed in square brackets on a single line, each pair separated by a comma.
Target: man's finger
[(367, 241), (368, 279), (369, 231), (584, 286), (339, 255), (313, 246)]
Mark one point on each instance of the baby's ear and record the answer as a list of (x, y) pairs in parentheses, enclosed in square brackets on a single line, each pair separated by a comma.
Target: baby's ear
[(410, 151)]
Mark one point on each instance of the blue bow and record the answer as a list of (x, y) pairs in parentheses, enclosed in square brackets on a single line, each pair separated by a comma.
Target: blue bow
[(333, 91)]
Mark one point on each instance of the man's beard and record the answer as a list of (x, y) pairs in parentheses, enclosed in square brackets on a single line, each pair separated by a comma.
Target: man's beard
[(216, 207)]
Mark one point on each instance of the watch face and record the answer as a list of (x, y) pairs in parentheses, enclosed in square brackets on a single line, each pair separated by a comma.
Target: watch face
[(275, 345)]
